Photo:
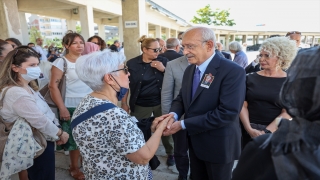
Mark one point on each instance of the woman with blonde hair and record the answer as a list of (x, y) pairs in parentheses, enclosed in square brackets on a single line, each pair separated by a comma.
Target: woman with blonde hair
[(261, 106), (22, 102), (147, 71), (75, 91)]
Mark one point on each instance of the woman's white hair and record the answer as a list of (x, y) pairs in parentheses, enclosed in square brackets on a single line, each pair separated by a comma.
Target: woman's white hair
[(91, 68), (282, 47), (207, 34), (235, 46)]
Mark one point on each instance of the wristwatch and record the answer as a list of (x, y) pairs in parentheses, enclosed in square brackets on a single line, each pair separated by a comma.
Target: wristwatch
[(267, 131)]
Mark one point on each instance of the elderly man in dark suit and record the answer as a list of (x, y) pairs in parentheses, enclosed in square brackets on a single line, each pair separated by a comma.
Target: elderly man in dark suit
[(173, 48), (225, 54), (211, 111)]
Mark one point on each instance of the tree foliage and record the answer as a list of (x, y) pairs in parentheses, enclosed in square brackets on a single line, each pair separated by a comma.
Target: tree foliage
[(34, 34), (218, 17)]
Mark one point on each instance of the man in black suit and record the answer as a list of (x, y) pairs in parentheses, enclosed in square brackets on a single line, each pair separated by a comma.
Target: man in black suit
[(173, 48), (225, 54), (211, 111)]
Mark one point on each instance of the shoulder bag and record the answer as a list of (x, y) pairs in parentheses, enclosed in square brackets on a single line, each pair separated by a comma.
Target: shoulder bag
[(45, 91), (5, 128)]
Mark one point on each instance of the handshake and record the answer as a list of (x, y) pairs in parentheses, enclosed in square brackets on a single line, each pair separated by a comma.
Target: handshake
[(167, 124)]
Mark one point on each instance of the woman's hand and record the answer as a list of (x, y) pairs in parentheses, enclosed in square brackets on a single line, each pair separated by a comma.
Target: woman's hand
[(255, 133), (64, 114), (157, 121), (158, 65), (63, 138)]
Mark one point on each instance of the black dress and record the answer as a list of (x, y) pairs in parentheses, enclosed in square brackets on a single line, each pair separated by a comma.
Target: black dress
[(262, 95)]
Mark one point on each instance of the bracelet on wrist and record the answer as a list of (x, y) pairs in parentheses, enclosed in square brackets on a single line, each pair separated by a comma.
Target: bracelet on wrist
[(60, 133)]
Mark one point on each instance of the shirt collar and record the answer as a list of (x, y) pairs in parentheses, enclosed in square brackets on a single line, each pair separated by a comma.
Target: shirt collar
[(204, 65)]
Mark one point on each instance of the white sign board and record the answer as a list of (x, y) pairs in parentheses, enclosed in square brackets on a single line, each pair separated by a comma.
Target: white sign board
[(131, 24)]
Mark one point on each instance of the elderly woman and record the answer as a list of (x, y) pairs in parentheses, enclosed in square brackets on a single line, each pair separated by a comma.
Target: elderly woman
[(75, 91), (147, 71), (111, 144), (261, 106), (22, 100), (239, 56), (292, 152), (98, 41)]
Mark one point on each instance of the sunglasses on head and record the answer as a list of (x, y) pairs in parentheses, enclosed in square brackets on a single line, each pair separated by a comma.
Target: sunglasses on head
[(156, 50), (25, 49), (293, 32)]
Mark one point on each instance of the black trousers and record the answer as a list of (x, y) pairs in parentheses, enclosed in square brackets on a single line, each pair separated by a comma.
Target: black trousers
[(44, 166), (181, 152), (204, 170)]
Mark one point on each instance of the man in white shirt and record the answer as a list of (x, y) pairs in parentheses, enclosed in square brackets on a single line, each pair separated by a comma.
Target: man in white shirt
[(39, 49)]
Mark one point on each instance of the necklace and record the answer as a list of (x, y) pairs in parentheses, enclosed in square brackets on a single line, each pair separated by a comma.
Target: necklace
[(102, 94)]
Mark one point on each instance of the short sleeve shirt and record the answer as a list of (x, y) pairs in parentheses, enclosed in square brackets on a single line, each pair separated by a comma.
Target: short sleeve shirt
[(104, 141)]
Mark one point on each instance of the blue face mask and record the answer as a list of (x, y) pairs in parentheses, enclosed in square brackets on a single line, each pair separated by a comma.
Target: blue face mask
[(122, 92)]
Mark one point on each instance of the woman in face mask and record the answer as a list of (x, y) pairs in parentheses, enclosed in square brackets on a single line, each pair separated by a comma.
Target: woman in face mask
[(22, 100), (112, 145), (75, 91)]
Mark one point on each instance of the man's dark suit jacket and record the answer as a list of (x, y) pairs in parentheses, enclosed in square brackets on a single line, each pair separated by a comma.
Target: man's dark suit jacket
[(212, 116), (226, 55), (171, 55)]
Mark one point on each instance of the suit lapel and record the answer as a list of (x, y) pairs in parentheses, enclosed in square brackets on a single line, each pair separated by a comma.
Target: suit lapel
[(189, 82), (183, 64), (211, 68)]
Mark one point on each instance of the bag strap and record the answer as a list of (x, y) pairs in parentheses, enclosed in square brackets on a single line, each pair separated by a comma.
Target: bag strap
[(90, 113), (2, 98), (64, 65)]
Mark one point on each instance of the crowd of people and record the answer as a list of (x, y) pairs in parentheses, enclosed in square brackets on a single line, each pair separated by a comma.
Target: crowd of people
[(208, 107)]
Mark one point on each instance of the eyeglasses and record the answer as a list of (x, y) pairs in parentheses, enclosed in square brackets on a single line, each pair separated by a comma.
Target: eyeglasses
[(192, 46), (293, 32), (125, 69), (156, 50), (25, 49)]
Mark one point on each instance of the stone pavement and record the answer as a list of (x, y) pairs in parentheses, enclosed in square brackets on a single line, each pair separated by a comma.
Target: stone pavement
[(163, 172)]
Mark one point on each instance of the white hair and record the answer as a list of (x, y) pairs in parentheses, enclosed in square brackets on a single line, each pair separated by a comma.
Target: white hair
[(235, 46), (91, 68), (206, 33)]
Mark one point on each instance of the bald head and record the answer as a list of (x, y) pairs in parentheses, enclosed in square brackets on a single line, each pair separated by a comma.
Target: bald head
[(219, 46)]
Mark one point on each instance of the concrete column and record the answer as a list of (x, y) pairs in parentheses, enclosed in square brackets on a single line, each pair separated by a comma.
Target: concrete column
[(86, 20), (233, 37), (133, 10), (120, 29), (24, 28), (226, 46), (244, 38), (264, 37), (168, 34), (217, 37), (305, 39), (253, 39), (101, 31), (257, 39), (9, 20), (158, 31), (175, 33), (71, 24), (313, 41), (147, 29)]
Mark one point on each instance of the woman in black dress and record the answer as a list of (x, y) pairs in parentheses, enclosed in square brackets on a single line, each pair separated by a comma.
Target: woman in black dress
[(261, 106)]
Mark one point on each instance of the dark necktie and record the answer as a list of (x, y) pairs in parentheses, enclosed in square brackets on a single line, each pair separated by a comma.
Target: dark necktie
[(196, 80)]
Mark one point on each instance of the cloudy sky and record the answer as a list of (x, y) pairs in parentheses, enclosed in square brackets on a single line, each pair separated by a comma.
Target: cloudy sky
[(282, 15)]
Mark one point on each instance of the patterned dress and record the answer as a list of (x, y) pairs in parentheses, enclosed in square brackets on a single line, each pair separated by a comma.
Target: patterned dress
[(104, 141)]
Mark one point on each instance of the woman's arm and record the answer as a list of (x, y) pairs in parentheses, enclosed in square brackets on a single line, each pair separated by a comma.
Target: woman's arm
[(273, 126), (146, 152), (244, 117), (56, 77)]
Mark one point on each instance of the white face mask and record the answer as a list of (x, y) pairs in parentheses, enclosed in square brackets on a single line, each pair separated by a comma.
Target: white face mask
[(32, 73)]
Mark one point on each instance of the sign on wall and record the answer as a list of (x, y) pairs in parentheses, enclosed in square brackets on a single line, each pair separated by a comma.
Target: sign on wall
[(131, 24)]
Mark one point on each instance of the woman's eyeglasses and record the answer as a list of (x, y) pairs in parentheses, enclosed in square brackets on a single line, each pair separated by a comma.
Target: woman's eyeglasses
[(293, 32), (125, 69), (156, 50)]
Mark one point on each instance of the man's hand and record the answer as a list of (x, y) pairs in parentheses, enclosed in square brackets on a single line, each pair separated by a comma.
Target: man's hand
[(175, 127), (157, 120)]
